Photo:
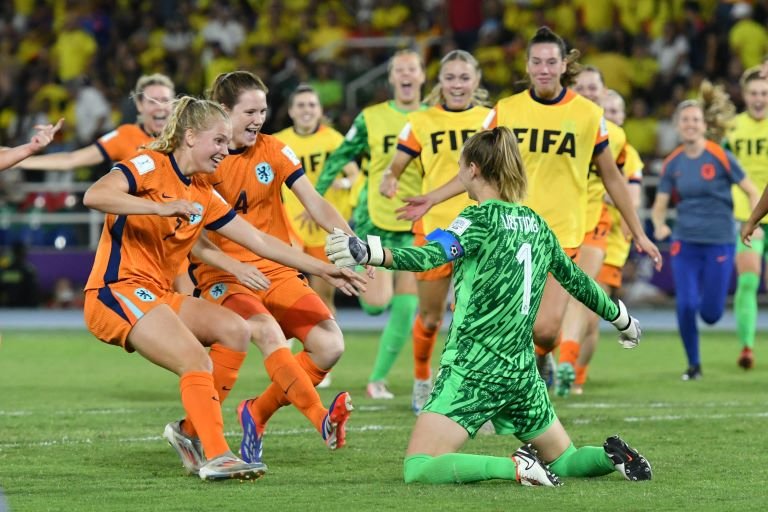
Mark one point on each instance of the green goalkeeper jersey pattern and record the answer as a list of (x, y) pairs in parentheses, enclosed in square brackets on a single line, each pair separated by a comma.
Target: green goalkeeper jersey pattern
[(502, 253)]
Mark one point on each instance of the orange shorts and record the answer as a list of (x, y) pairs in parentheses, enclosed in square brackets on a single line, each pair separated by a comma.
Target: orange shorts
[(571, 252), (610, 275), (598, 237), (289, 298), (317, 251), (111, 312), (436, 273)]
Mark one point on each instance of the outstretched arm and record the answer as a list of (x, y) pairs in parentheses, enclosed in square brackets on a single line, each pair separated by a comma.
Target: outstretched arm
[(321, 211), (355, 144), (760, 210), (416, 207), (210, 254), (616, 186), (240, 231), (388, 185), (45, 133), (589, 293)]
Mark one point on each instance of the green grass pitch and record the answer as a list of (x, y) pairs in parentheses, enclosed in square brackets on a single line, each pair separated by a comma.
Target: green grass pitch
[(81, 425)]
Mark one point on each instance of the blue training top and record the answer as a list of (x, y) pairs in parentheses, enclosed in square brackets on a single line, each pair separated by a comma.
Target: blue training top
[(703, 185)]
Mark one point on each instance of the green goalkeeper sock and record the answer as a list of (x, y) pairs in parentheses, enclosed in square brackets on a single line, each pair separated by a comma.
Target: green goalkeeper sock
[(371, 309), (585, 461), (745, 307), (395, 334), (457, 468)]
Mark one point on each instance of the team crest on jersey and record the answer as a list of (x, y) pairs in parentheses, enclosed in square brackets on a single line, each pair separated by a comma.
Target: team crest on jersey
[(196, 217), (264, 173), (217, 290), (144, 295)]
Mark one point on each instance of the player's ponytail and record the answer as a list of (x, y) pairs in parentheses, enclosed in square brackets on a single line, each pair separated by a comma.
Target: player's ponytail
[(496, 153), (716, 107), (572, 67), (188, 114), (227, 87), (479, 95)]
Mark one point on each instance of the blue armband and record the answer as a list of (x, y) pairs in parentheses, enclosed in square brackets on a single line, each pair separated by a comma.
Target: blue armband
[(450, 244)]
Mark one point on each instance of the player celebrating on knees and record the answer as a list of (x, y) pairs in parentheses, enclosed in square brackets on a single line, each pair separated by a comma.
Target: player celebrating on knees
[(157, 206), (435, 136), (747, 138), (374, 133), (503, 252), (251, 179), (701, 173), (313, 141), (560, 133), (618, 240)]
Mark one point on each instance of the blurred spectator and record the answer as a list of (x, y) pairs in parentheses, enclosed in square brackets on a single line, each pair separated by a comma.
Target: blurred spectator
[(671, 51), (464, 20), (748, 39), (641, 128), (73, 50), (93, 114), (18, 280), (224, 29), (389, 15), (329, 88)]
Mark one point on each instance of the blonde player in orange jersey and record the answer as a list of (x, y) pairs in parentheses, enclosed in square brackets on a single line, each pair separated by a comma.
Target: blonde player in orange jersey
[(152, 95), (43, 136), (436, 136), (251, 179), (157, 205)]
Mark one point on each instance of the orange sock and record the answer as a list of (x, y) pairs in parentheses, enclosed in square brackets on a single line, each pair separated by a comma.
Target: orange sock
[(581, 374), (316, 374), (226, 366), (290, 385), (204, 410), (423, 343), (569, 351)]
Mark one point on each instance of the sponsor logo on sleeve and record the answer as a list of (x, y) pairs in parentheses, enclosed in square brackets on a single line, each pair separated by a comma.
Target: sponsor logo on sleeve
[(459, 225), (143, 164)]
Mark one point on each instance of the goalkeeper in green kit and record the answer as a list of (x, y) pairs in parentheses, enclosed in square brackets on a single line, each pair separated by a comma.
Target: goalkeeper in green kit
[(502, 253)]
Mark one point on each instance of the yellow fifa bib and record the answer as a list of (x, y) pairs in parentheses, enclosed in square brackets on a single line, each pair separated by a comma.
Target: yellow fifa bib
[(312, 150), (617, 245), (557, 141), (595, 188), (383, 123), (748, 140), (441, 134)]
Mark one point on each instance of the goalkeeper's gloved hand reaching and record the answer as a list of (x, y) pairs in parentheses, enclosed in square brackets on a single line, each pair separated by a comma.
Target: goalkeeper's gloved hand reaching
[(348, 251), (628, 326)]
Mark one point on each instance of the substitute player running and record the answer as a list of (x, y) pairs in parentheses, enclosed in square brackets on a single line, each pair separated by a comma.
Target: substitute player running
[(503, 253), (251, 179), (313, 141), (700, 173), (747, 138), (374, 134), (618, 241), (157, 206), (590, 84), (436, 136)]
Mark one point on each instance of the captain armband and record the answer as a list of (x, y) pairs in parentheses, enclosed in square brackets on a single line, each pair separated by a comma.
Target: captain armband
[(451, 246)]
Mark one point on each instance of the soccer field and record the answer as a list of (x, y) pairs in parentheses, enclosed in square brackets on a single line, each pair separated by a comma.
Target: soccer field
[(81, 424)]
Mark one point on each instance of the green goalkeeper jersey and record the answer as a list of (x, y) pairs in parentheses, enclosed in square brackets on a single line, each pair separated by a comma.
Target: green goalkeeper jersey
[(502, 253)]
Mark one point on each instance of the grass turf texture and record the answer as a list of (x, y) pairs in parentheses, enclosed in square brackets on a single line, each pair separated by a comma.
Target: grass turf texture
[(81, 425)]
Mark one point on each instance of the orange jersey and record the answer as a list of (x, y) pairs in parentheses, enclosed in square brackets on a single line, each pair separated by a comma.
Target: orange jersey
[(148, 248), (123, 142), (250, 181)]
